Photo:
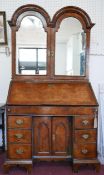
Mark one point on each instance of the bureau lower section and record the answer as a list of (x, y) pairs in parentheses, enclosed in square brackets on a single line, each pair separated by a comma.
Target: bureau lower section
[(51, 137), (42, 137)]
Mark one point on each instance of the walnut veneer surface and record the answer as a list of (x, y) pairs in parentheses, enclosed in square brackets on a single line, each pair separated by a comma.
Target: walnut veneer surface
[(73, 93), (40, 116), (51, 117)]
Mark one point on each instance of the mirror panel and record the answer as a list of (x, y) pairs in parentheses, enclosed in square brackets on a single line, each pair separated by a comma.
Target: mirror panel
[(70, 48), (31, 47)]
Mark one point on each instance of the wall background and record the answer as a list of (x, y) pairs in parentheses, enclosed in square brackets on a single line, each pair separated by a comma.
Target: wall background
[(95, 9)]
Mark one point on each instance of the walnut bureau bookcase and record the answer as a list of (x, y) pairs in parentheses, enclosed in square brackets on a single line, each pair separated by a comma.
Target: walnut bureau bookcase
[(51, 108)]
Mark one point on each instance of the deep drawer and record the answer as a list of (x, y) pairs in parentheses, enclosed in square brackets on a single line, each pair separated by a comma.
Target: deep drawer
[(85, 151), (84, 122), (19, 151), (19, 122), (19, 136), (85, 135)]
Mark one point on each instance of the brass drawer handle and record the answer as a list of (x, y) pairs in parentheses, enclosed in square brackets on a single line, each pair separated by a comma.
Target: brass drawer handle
[(19, 136), (85, 136), (85, 122), (84, 151), (19, 151), (19, 122)]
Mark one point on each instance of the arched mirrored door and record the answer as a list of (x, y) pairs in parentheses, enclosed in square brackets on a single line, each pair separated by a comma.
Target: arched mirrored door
[(31, 47), (71, 43), (48, 50), (70, 48), (30, 43)]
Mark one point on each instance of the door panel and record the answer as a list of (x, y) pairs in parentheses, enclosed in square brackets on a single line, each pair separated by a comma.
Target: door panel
[(61, 136), (42, 136)]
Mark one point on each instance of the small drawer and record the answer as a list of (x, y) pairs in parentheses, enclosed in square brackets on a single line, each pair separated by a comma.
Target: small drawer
[(19, 122), (87, 150), (83, 122), (19, 136), (19, 151), (85, 135)]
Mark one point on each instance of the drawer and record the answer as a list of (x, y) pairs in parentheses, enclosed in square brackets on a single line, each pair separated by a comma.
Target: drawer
[(49, 110), (19, 136), (85, 135), (85, 151), (84, 122), (19, 151), (19, 122)]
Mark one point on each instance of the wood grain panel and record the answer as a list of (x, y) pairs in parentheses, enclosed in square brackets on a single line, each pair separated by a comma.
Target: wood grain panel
[(85, 135), (73, 93), (42, 136), (84, 122), (51, 110), (19, 136), (19, 122), (84, 151), (19, 151), (61, 136)]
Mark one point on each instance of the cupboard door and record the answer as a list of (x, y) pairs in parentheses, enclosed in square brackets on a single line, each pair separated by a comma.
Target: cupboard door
[(42, 136), (61, 136)]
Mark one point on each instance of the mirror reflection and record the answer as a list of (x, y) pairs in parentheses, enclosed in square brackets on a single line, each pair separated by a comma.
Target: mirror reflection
[(31, 47), (70, 48)]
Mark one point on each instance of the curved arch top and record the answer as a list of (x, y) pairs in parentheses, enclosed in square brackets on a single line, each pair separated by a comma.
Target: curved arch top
[(51, 27), (29, 8), (72, 11)]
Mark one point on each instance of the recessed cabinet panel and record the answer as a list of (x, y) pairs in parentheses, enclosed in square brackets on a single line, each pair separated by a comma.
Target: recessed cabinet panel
[(61, 136), (42, 136), (52, 136)]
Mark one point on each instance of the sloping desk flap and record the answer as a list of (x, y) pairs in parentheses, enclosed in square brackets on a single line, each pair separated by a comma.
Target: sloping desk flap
[(72, 93)]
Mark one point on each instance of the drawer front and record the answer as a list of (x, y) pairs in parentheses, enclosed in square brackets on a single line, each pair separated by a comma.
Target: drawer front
[(85, 150), (50, 110), (84, 122), (19, 151), (85, 135), (19, 136), (19, 122)]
